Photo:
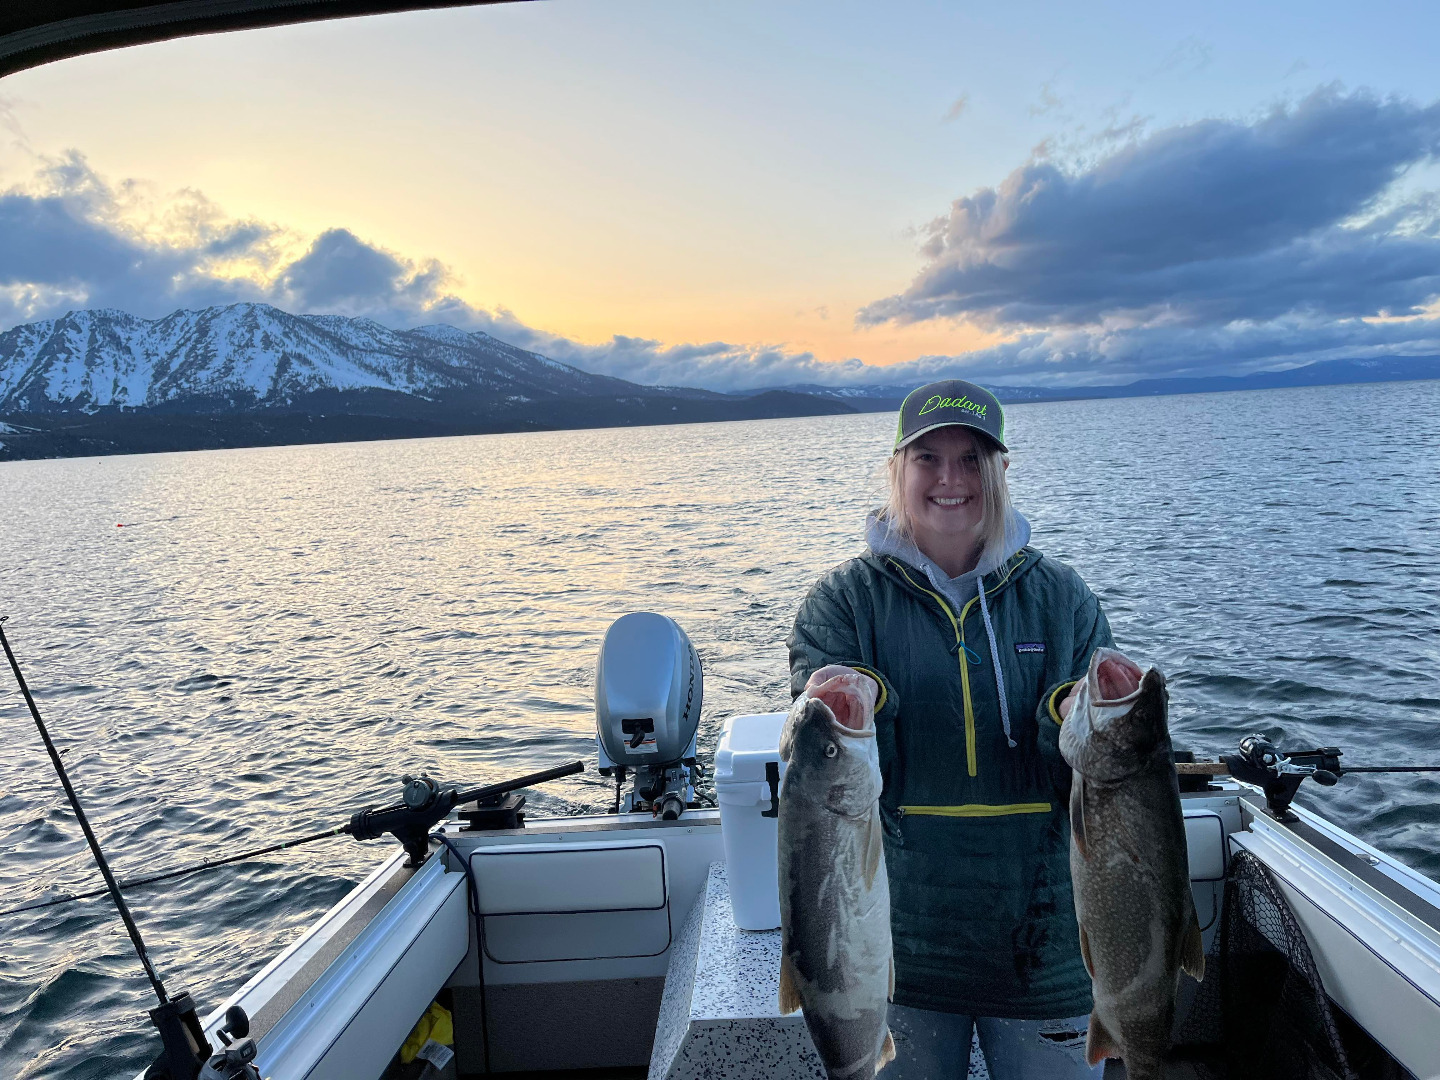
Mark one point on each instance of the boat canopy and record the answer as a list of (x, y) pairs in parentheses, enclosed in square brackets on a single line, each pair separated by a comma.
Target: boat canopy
[(35, 32)]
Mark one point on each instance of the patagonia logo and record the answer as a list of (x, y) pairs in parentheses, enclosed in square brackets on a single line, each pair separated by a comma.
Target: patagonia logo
[(1023, 647), (938, 402)]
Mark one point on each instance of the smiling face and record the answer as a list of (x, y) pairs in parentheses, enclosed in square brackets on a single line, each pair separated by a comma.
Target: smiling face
[(943, 496)]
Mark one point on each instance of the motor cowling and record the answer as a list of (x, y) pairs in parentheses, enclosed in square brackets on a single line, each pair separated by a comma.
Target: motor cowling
[(648, 692)]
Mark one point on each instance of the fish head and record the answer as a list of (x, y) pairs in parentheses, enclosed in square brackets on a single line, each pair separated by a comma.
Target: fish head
[(1119, 719), (827, 762)]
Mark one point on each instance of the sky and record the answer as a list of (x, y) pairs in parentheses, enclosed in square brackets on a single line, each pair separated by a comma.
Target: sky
[(749, 194)]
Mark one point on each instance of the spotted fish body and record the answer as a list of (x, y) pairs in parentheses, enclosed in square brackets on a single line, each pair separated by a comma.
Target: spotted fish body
[(834, 895), (1138, 928)]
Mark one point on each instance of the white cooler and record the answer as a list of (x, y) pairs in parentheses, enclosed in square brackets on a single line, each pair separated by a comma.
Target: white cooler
[(749, 796)]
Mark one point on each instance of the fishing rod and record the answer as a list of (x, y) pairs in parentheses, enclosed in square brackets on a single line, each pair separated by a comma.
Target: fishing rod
[(1219, 768), (366, 825), (186, 1051), (196, 868), (1280, 774)]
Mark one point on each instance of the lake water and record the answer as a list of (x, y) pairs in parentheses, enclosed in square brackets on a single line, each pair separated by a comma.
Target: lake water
[(275, 635)]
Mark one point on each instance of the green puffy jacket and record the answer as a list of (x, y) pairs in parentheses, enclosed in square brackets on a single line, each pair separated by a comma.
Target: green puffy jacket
[(977, 831)]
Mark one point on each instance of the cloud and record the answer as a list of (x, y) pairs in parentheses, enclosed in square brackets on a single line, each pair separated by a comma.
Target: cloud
[(957, 109), (1093, 356), (1190, 55), (74, 240), (71, 239), (1219, 246), (716, 365), (341, 274), (1205, 224), (1048, 102)]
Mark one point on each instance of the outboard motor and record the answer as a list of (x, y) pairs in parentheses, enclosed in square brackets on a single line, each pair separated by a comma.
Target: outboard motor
[(648, 690)]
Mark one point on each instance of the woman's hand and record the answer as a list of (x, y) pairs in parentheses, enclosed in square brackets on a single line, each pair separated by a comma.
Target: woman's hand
[(850, 694), (1069, 702)]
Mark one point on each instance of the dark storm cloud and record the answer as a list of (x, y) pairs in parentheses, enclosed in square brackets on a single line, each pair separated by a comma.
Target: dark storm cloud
[(1204, 224)]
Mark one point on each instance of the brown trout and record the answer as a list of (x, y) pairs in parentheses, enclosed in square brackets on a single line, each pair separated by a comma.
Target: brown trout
[(834, 895), (1138, 928)]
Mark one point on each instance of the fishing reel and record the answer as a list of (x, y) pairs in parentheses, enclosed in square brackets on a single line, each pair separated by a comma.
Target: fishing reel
[(1279, 775), (424, 803), (236, 1060)]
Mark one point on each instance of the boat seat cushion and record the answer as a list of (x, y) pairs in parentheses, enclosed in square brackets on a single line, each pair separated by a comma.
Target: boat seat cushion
[(573, 902), (568, 878)]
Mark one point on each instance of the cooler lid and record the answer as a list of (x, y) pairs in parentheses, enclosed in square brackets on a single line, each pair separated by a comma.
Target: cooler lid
[(746, 744)]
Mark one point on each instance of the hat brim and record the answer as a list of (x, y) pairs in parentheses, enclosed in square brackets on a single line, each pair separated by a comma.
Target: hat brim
[(950, 423)]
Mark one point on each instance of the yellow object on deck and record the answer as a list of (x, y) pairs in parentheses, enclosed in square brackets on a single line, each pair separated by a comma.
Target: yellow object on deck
[(434, 1023)]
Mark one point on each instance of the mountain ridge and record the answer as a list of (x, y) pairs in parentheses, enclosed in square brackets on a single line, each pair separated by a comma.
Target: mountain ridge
[(102, 381), (1319, 373), (237, 356), (105, 382)]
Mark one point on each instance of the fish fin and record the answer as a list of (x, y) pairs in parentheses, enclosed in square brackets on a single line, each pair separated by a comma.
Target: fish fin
[(1077, 813), (789, 987), (1099, 1043), (887, 1051), (874, 849), (1192, 951), (1085, 951)]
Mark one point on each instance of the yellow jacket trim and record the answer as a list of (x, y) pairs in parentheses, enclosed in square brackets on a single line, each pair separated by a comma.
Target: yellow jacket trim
[(979, 809), (1054, 703), (880, 703)]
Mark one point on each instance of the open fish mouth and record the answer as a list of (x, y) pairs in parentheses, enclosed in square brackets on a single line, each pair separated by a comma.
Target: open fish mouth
[(1114, 679), (844, 695), (845, 730)]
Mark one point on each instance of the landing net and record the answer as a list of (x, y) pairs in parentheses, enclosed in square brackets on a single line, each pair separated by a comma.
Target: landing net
[(1261, 1012)]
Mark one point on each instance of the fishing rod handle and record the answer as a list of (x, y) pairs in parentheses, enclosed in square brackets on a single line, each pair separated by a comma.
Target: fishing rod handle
[(491, 790)]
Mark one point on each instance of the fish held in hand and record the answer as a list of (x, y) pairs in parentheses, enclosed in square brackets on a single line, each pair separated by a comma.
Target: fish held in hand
[(834, 896), (1138, 928)]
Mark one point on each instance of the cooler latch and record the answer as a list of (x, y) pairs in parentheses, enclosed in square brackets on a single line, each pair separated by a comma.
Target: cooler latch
[(772, 777)]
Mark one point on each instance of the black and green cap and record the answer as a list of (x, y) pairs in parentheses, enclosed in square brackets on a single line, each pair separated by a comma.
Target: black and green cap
[(950, 402)]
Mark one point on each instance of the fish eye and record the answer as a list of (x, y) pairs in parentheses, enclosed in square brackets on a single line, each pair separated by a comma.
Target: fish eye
[(831, 749)]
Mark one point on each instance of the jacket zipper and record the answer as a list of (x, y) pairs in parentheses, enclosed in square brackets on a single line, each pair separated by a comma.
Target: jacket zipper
[(959, 626)]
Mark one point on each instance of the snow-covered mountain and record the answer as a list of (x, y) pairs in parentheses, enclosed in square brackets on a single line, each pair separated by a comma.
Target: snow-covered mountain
[(243, 355)]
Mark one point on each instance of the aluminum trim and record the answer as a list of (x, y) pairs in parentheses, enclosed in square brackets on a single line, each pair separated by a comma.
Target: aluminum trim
[(289, 1050)]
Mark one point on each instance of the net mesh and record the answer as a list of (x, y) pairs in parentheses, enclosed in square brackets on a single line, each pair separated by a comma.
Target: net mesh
[(1261, 1012)]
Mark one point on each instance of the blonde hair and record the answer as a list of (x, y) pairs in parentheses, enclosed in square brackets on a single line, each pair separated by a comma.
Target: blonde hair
[(994, 497)]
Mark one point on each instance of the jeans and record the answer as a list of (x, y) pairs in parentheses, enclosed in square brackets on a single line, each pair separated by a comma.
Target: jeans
[(936, 1046)]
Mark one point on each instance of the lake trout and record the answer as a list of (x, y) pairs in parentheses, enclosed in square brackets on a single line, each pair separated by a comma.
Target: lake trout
[(834, 895), (1138, 928)]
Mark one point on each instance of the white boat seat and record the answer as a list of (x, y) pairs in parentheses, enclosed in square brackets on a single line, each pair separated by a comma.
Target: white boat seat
[(543, 903)]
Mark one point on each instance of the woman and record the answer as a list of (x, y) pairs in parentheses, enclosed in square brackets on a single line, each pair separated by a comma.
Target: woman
[(972, 640)]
